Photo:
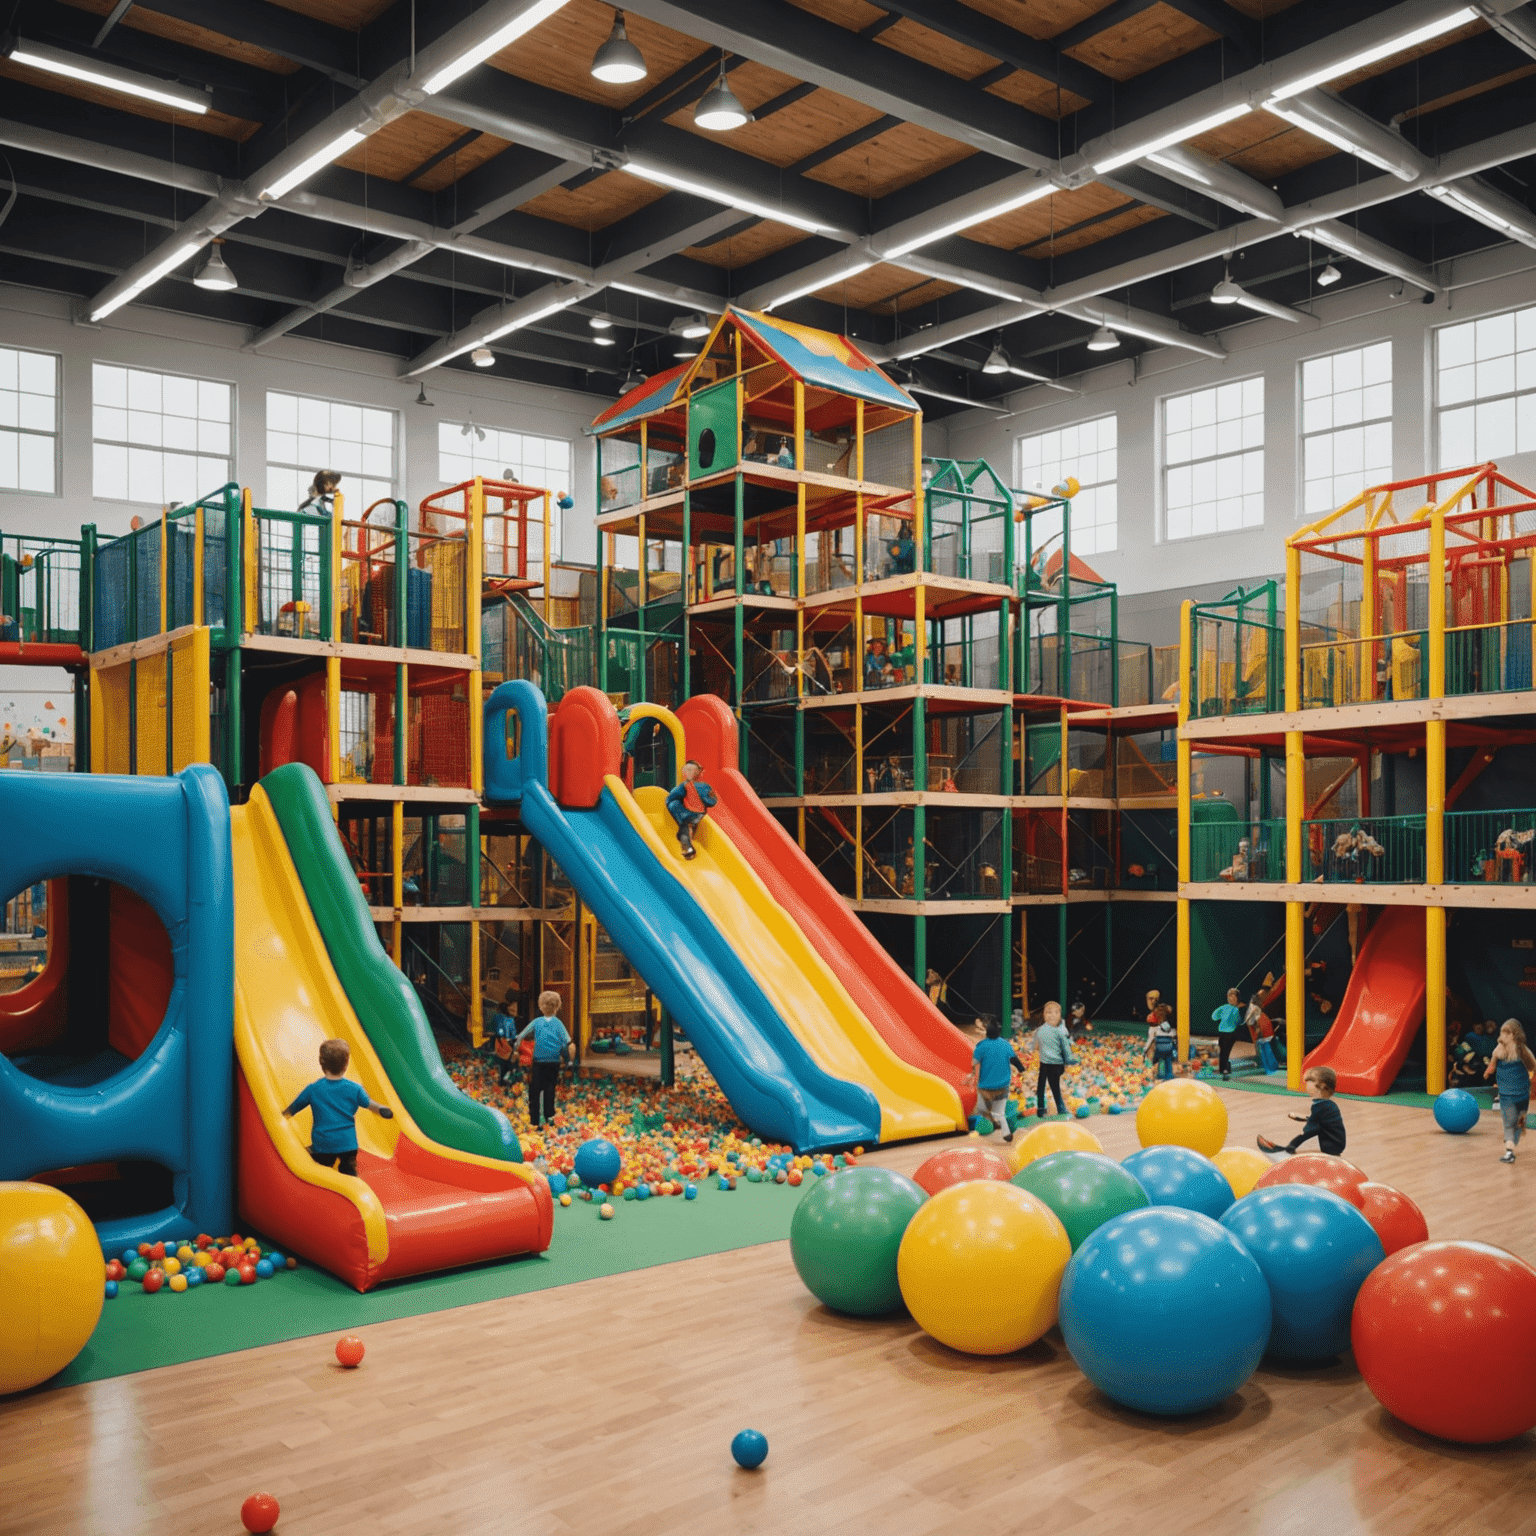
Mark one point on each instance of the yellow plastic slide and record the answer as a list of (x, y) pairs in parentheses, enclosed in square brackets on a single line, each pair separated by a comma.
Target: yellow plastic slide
[(810, 999)]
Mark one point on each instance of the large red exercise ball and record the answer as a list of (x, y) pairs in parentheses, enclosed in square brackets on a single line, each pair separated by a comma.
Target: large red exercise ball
[(51, 1286), (1183, 1112), (1177, 1176), (845, 1235), (981, 1265), (1399, 1223), (1323, 1171), (1084, 1189), (959, 1165), (1053, 1136), (1165, 1311), (1315, 1250), (1443, 1335)]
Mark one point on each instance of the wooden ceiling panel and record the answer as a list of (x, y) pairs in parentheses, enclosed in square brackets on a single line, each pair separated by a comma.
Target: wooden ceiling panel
[(190, 35), (1036, 95), (886, 289), (1037, 222), (920, 42), (762, 239), (399, 147), (853, 15), (1261, 10), (890, 160), (1266, 147), (350, 14), (786, 136), (558, 52), (1142, 42), (1397, 60), (1520, 73), (1036, 20), (215, 123), (598, 203), (1070, 240)]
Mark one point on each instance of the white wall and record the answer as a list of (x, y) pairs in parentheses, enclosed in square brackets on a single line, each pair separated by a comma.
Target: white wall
[(150, 338), (1489, 282)]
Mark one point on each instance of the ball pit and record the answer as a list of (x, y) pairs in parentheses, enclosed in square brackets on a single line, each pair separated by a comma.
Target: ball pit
[(1180, 1177), (1084, 1189), (1321, 1169), (845, 1236), (1183, 1112)]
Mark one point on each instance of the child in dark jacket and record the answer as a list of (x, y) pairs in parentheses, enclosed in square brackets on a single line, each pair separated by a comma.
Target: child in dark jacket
[(689, 804), (1325, 1122)]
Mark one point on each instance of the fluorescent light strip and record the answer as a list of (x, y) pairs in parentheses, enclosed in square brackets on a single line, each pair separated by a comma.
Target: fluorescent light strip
[(1179, 167), (516, 325), (1173, 136), (1483, 213), (183, 252), (1335, 136), (970, 220), (1377, 51), (820, 283), (504, 37), (727, 199), (316, 162), (57, 62)]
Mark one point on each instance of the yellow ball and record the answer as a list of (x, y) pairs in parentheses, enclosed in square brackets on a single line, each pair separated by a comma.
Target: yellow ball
[(565, 1199), (51, 1283), (178, 1282), (202, 1260), (980, 1267), (1053, 1136), (1183, 1112), (1243, 1167), (185, 1253), (171, 1266)]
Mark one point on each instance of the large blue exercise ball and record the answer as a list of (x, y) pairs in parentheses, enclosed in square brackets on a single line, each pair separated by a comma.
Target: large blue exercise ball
[(597, 1162), (1456, 1111), (1177, 1176), (1315, 1250), (1164, 1310)]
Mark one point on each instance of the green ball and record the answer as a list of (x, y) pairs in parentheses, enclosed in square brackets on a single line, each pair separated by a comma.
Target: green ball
[(984, 1127), (138, 1269), (232, 1277), (1084, 1189), (845, 1235)]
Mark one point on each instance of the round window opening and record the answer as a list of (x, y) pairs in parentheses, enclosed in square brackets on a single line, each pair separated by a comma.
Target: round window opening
[(706, 447)]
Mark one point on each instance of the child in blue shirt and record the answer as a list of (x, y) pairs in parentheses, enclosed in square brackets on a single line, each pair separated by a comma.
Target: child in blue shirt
[(501, 1029), (995, 1064), (551, 1044), (689, 803), (1227, 1018), (333, 1102)]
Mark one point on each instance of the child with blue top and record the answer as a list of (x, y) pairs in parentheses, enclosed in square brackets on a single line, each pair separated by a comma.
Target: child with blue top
[(689, 804), (1511, 1065), (551, 1045), (995, 1064), (333, 1102), (1053, 1045), (1226, 1019)]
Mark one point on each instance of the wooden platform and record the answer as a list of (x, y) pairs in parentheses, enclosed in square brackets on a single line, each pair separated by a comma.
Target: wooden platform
[(608, 1407)]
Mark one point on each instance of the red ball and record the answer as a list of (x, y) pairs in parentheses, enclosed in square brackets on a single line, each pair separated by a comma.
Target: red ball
[(144, 1250), (157, 1251), (959, 1165), (214, 1272), (1322, 1170), (259, 1512), (1399, 1223), (115, 1269), (350, 1351), (1442, 1335), (153, 1281), (247, 1274)]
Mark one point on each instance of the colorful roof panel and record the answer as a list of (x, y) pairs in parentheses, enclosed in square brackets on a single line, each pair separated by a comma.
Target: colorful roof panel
[(823, 359), (658, 392)]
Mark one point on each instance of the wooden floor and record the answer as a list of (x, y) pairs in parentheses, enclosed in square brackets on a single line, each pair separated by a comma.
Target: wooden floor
[(606, 1409)]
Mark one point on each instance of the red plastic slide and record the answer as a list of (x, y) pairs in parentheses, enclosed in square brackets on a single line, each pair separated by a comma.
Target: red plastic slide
[(1382, 1007), (901, 1011)]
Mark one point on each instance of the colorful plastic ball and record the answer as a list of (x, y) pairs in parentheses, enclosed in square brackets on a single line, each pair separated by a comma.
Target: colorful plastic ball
[(690, 1192), (1243, 1167), (629, 1194), (350, 1351), (232, 1277), (213, 1273), (565, 1199), (275, 1259), (557, 1183), (138, 1269), (1456, 1111), (247, 1273), (1082, 1111), (1322, 1170), (749, 1448), (1057, 1136), (290, 1263), (1183, 1112), (194, 1277), (115, 1269), (1165, 1311), (605, 1211), (642, 1192), (264, 1269), (111, 1289), (157, 1251), (1084, 1189), (177, 1283), (598, 1161), (152, 1281), (1176, 1175), (982, 1126), (845, 1235), (1399, 1223), (960, 1165), (1315, 1250), (796, 1177), (259, 1513), (171, 1265), (128, 1256), (1442, 1335), (980, 1267)]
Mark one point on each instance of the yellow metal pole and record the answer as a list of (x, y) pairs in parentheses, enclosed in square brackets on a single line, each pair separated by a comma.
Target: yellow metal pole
[(338, 513), (197, 567), (397, 875), (1434, 816), (1295, 810), (1185, 779), (919, 512), (333, 719), (858, 789), (858, 442), (1367, 688), (800, 425)]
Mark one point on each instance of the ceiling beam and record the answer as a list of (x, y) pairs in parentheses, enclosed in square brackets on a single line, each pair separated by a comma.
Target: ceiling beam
[(293, 36)]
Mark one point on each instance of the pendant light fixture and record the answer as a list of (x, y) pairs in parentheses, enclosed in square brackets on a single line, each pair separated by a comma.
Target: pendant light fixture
[(1328, 276), (1103, 340), (215, 273), (718, 109), (618, 61), (482, 357)]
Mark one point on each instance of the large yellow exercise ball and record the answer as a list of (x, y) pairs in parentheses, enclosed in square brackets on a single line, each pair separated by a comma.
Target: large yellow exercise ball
[(980, 1267), (52, 1283), (1053, 1136), (1183, 1112), (1243, 1167)]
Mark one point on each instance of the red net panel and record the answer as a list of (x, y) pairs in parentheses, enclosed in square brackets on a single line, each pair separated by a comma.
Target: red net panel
[(439, 738)]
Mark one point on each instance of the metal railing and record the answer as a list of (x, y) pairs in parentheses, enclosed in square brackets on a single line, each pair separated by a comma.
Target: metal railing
[(1496, 847), (1364, 850), (1489, 658), (1238, 852)]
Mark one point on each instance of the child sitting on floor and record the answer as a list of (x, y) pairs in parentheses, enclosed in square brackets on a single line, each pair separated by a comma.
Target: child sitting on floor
[(334, 1101), (1325, 1122)]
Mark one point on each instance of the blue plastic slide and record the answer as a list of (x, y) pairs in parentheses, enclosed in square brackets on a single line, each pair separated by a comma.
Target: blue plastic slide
[(763, 1070)]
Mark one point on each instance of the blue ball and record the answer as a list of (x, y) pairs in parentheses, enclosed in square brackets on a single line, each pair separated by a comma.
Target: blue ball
[(1165, 1311), (691, 1192), (194, 1276), (1180, 1177), (1456, 1111), (557, 1183), (278, 1261), (597, 1161), (1315, 1250), (111, 1289), (128, 1255), (642, 1192), (263, 1269), (750, 1448), (629, 1194), (1082, 1111)]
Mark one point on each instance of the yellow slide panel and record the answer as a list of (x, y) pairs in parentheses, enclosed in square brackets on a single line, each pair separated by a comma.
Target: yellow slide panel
[(801, 986)]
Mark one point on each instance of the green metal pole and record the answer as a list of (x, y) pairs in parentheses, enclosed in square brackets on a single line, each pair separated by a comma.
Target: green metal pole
[(800, 752), (920, 951), (402, 579), (687, 572), (1064, 623), (668, 1062), (234, 743), (1114, 646), (472, 853), (1109, 946)]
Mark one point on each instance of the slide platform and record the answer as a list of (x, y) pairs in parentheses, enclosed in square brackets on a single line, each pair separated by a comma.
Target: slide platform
[(418, 1204), (1383, 1006)]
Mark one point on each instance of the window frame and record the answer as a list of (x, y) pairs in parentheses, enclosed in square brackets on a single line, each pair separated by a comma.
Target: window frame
[(556, 530), (1437, 409), (165, 373), (396, 476), (1163, 466), (1018, 474), (1302, 435), (58, 423)]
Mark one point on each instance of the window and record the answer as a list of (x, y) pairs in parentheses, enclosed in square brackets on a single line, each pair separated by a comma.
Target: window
[(1485, 377), (1213, 460), (158, 437), (29, 421), (1346, 425), (465, 450), (1088, 450), (305, 436)]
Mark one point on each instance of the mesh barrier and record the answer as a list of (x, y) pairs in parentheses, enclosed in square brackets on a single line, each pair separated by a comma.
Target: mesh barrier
[(111, 741), (47, 591), (189, 700), (1364, 850), (963, 856), (1037, 861), (831, 559), (831, 765), (438, 751), (769, 738), (145, 554), (1489, 658), (292, 560), (888, 456), (1492, 847), (619, 479), (149, 713), (1237, 852), (1145, 764), (444, 562), (965, 754), (370, 583)]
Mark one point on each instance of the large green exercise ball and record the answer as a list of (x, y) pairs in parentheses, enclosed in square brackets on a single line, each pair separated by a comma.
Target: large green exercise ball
[(1084, 1189), (845, 1236)]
